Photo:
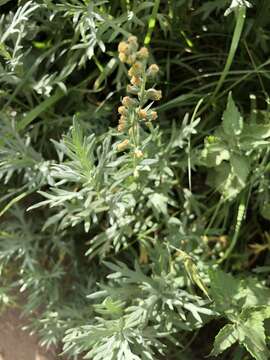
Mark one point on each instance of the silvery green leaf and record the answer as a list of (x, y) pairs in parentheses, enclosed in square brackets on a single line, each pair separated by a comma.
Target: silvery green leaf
[(159, 202)]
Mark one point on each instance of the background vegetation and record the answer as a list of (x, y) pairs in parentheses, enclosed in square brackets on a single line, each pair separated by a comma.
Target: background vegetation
[(148, 241)]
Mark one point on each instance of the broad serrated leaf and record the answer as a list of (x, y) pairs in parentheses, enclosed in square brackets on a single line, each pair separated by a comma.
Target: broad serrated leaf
[(224, 290), (214, 153), (224, 181), (256, 294), (224, 339), (256, 131), (240, 168), (253, 332), (232, 121)]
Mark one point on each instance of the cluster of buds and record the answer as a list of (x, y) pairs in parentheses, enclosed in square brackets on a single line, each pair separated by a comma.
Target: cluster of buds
[(134, 110)]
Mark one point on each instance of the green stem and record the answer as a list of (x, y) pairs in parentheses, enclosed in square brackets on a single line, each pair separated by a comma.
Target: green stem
[(240, 21), (241, 15), (189, 144), (217, 208), (239, 219), (151, 23)]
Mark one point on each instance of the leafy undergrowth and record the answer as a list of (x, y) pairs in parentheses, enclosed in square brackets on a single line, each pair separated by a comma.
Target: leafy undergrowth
[(134, 171)]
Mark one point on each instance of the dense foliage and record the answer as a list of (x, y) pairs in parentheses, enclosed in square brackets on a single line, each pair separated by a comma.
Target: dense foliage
[(135, 199)]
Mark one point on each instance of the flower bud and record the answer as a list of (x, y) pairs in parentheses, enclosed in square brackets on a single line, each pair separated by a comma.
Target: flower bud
[(122, 47), (122, 110), (123, 145), (153, 94), (122, 119), (152, 70), (132, 89), (142, 114), (122, 123), (122, 57), (153, 115), (136, 81), (129, 102), (133, 39), (136, 69), (121, 127), (138, 153), (143, 53), (131, 59), (133, 43)]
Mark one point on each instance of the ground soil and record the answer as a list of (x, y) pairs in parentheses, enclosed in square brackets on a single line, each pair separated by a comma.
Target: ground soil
[(16, 344)]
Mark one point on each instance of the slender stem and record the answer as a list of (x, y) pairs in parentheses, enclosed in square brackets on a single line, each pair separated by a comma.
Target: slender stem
[(255, 68), (151, 23), (217, 208), (241, 15), (239, 219), (189, 145), (240, 21)]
